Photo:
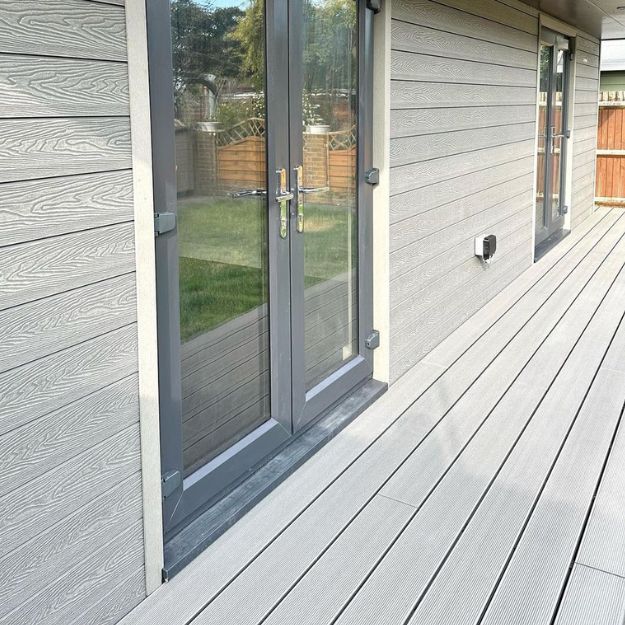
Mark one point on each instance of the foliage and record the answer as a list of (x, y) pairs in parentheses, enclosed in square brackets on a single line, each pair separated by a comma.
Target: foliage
[(250, 36), (203, 51)]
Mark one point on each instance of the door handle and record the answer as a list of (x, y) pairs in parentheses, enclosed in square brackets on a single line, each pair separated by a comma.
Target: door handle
[(247, 193), (283, 197), (300, 191)]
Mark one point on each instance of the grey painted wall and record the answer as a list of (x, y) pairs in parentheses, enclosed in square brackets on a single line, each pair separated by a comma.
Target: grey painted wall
[(71, 543), (463, 84)]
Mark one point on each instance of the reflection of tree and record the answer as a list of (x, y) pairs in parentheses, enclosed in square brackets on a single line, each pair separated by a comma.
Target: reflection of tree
[(250, 36), (204, 52)]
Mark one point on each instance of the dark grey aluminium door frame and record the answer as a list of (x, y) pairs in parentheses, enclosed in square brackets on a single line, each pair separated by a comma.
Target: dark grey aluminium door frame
[(551, 225), (185, 498), (307, 405)]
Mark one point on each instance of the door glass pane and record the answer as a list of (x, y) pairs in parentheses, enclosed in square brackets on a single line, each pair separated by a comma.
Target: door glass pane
[(543, 123), (221, 173), (558, 129), (330, 117)]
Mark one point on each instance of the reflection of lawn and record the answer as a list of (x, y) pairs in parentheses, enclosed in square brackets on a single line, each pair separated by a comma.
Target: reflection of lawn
[(220, 257)]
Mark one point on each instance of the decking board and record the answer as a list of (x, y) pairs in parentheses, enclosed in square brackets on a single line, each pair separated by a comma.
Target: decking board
[(502, 403)]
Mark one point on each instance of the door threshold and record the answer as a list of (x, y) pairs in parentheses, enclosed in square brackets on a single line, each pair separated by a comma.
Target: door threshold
[(549, 243), (213, 522)]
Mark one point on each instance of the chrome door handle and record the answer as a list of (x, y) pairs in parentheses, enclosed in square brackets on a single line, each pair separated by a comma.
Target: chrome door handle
[(300, 191), (306, 190), (247, 193), (283, 197), (299, 179)]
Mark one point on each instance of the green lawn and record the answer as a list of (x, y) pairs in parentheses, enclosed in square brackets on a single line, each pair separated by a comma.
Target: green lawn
[(221, 255)]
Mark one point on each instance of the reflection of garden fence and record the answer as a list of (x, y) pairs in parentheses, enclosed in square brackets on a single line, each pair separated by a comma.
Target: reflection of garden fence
[(212, 161)]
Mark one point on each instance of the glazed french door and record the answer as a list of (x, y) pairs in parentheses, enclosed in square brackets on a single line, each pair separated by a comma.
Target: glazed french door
[(552, 134), (260, 143)]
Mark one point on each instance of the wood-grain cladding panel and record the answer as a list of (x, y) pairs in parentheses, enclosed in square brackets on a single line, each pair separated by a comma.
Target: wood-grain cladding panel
[(70, 471), (463, 124)]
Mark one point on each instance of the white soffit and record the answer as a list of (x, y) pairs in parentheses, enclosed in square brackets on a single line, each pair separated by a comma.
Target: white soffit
[(600, 18)]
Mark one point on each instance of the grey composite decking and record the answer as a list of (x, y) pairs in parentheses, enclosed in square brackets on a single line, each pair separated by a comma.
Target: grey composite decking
[(465, 494)]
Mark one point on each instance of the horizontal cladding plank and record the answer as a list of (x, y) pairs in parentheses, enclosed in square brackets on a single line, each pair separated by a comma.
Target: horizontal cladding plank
[(62, 205), (409, 258), (423, 40), (587, 45), (29, 510), (497, 12), (584, 134), (422, 67), (581, 122), (432, 270), (586, 70), (426, 223), (411, 95), (412, 203), (425, 293), (415, 122), (581, 160), (583, 147), (37, 329), (41, 445), (38, 388), (408, 150), (414, 176), (440, 322), (436, 15), (582, 109), (586, 97), (586, 58), (521, 6), (110, 607), (68, 28), (33, 86), (43, 148), (36, 564), (73, 593), (513, 232), (581, 173), (30, 271), (588, 84)]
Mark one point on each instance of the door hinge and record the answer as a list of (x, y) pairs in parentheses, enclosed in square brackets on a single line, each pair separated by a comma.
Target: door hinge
[(374, 5), (564, 210), (164, 222), (372, 176), (373, 340), (170, 482)]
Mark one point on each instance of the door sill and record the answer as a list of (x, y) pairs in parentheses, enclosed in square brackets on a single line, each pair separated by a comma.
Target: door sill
[(206, 528), (549, 243)]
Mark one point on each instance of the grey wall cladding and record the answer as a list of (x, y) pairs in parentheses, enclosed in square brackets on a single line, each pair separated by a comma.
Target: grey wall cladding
[(463, 99), (71, 542)]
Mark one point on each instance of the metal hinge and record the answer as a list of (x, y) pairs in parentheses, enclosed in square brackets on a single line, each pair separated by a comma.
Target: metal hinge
[(170, 482), (164, 222), (373, 340), (372, 176), (564, 210), (374, 5)]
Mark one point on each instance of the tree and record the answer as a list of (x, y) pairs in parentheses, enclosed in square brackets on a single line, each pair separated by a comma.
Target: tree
[(203, 50)]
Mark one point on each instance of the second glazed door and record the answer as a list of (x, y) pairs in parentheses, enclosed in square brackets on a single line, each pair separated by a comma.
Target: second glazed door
[(259, 116), (552, 134)]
